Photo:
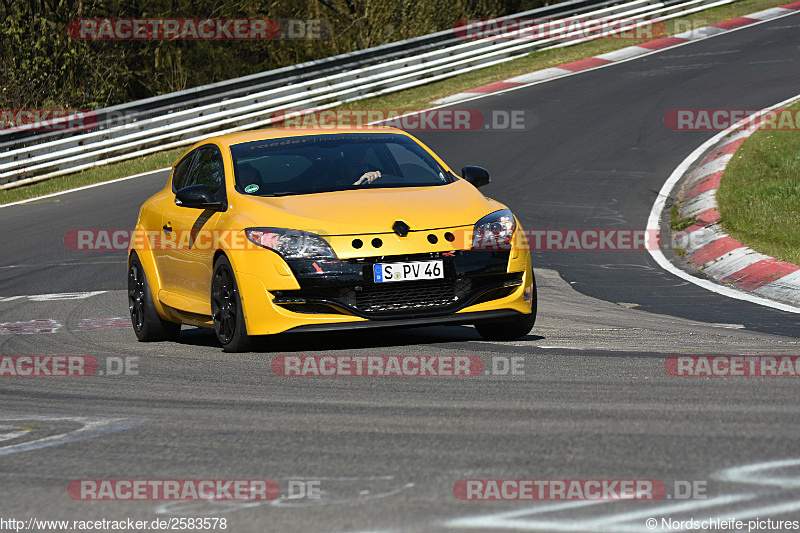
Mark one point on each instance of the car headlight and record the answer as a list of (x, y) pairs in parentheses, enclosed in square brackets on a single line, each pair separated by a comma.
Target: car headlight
[(291, 244), (494, 231)]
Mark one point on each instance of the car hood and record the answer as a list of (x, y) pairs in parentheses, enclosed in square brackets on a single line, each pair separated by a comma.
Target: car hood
[(372, 210)]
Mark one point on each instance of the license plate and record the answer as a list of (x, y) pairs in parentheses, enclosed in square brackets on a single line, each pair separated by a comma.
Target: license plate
[(411, 271)]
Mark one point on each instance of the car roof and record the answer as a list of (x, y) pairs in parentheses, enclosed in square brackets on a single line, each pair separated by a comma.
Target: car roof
[(280, 133)]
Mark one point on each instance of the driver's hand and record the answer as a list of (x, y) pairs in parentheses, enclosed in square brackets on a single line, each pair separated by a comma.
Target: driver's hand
[(368, 177)]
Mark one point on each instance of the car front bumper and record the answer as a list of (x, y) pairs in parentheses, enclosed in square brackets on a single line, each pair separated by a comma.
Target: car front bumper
[(341, 294)]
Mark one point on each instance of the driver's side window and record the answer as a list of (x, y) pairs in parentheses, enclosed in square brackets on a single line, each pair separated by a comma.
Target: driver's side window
[(181, 172), (205, 167)]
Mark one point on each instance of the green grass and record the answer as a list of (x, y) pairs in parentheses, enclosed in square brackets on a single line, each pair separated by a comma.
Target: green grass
[(759, 196), (412, 99), (676, 223)]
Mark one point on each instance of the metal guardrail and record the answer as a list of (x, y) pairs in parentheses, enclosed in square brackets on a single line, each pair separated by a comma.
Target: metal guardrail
[(171, 102), (183, 118)]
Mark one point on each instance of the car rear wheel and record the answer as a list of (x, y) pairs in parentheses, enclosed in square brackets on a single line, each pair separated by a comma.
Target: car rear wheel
[(226, 309), (509, 329), (147, 324)]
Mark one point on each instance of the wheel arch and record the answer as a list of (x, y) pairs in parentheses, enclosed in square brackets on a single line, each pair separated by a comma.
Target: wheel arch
[(148, 262), (221, 253)]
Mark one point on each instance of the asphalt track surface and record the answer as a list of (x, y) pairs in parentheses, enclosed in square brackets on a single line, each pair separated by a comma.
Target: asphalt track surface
[(594, 402)]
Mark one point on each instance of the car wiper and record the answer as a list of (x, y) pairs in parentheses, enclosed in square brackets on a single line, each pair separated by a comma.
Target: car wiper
[(284, 193)]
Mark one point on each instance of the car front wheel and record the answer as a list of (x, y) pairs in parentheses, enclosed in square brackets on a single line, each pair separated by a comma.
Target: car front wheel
[(226, 309)]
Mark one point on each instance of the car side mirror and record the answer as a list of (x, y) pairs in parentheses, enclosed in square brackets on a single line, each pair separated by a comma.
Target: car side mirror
[(198, 197), (476, 175)]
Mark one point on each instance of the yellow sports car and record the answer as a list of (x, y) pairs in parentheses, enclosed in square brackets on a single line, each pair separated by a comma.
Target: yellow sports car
[(291, 230)]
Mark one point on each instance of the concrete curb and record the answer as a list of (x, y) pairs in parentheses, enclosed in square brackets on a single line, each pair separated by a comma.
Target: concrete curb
[(714, 252)]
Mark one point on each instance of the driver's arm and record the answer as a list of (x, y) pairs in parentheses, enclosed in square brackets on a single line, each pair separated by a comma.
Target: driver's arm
[(368, 177)]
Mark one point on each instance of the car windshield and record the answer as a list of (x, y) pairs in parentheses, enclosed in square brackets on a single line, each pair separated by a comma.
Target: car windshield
[(333, 162)]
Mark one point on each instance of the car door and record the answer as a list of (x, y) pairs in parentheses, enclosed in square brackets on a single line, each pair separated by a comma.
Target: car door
[(160, 238), (187, 257)]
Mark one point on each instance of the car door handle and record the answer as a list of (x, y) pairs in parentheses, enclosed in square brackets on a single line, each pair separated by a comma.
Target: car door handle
[(167, 229)]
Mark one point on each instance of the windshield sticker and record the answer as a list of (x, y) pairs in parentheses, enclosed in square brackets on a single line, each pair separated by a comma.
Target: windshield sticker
[(251, 188)]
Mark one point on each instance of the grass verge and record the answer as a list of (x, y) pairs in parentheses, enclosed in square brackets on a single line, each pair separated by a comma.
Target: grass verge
[(759, 195), (411, 99)]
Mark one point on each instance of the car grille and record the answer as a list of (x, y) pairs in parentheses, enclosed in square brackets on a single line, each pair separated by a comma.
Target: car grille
[(409, 296)]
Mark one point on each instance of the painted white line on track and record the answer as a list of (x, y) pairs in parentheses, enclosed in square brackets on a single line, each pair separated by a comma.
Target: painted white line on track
[(559, 347), (15, 433), (91, 426), (53, 296), (779, 475), (654, 222), (764, 474), (609, 523)]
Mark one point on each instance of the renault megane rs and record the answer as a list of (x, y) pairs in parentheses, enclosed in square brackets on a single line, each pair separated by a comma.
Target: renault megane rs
[(288, 230)]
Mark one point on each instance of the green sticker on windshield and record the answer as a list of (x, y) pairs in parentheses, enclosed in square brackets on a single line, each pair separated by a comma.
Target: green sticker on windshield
[(251, 188)]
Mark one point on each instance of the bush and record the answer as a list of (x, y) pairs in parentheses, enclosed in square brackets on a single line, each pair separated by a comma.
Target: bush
[(47, 68)]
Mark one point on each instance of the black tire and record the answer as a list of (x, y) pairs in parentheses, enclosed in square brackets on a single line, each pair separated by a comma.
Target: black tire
[(147, 324), (509, 329), (226, 309)]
